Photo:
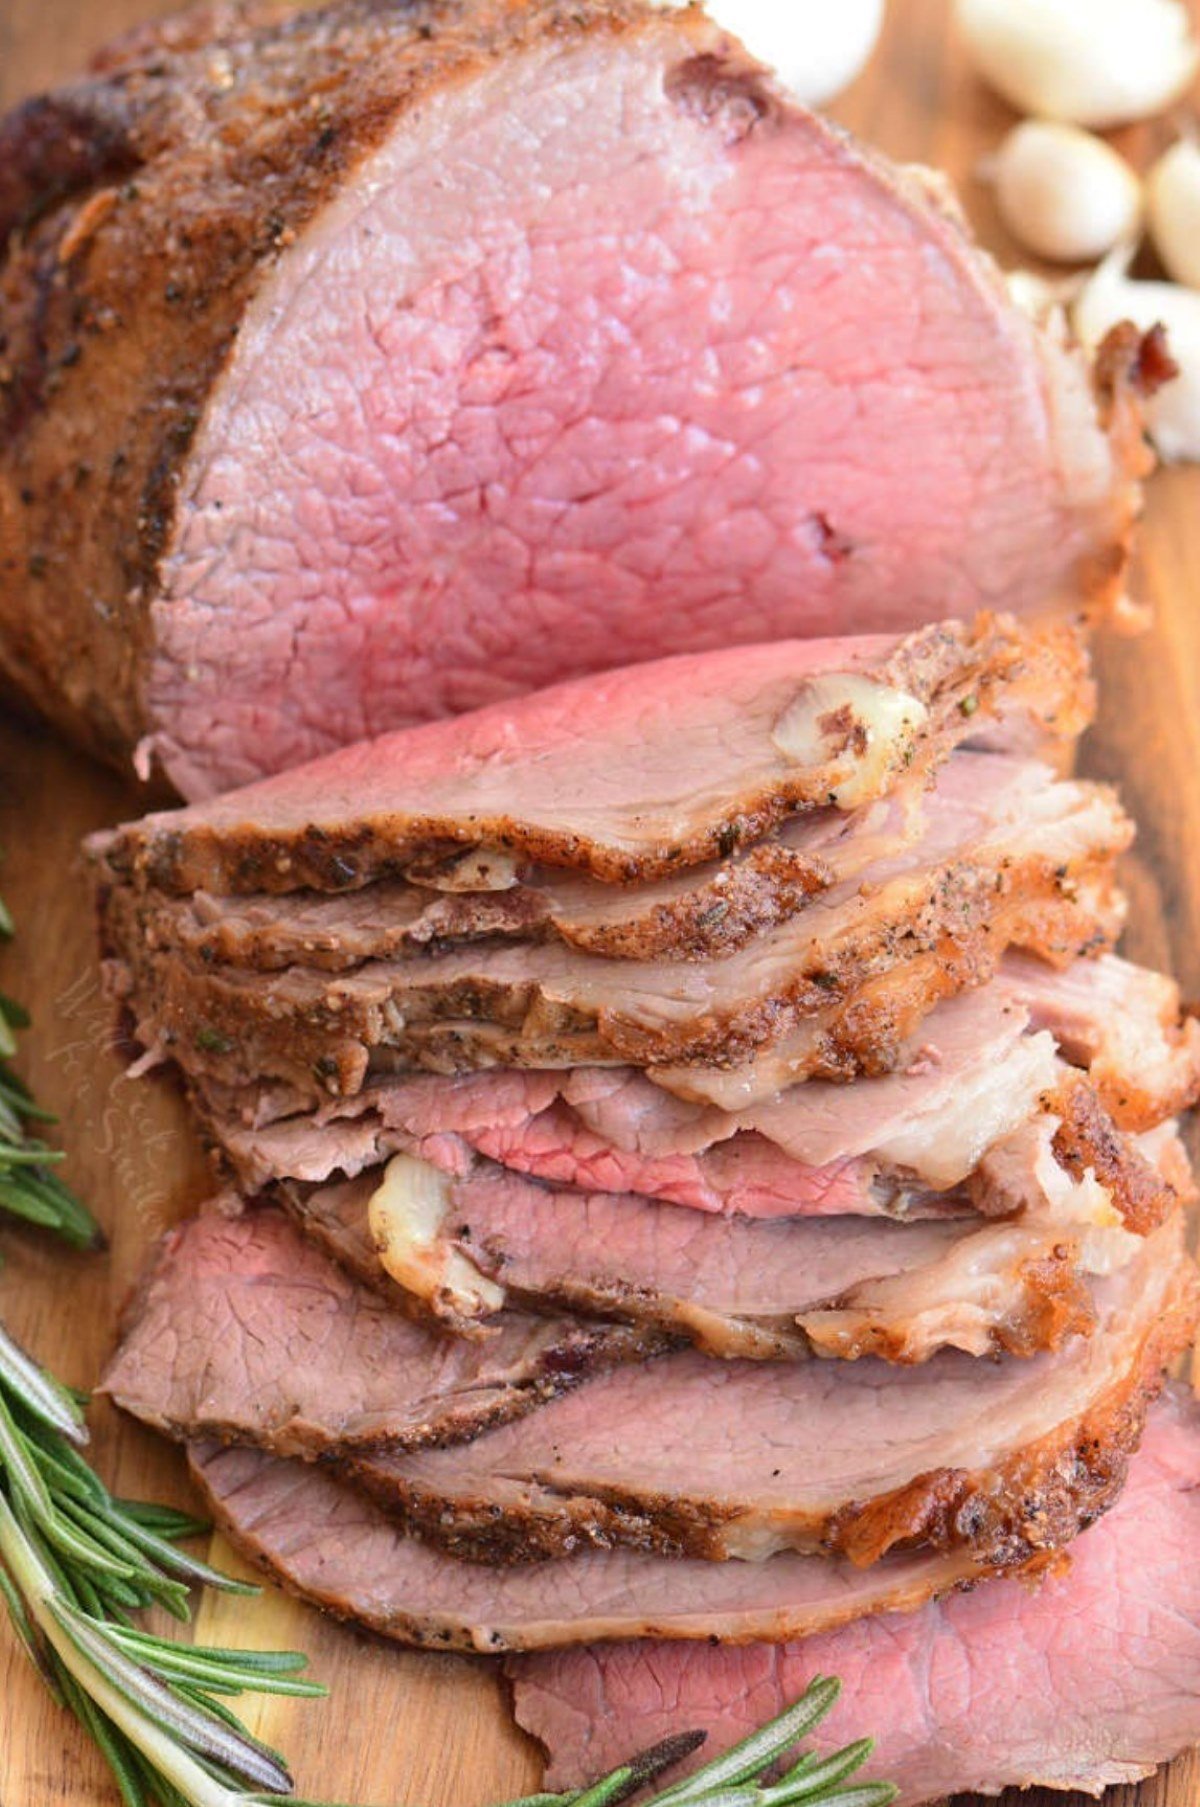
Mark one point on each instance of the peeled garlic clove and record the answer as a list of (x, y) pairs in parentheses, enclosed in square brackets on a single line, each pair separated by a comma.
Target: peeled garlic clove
[(1173, 414), (815, 49), (1173, 209), (1091, 62), (1064, 193)]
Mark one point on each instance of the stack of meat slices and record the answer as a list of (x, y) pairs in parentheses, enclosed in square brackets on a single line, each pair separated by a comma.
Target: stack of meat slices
[(660, 1097)]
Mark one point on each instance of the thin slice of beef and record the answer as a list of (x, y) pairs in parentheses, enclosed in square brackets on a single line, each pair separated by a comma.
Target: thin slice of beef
[(1085, 1681), (740, 1459), (773, 1289), (242, 1328), (1008, 857), (333, 1546), (779, 1287), (1122, 1022), (631, 776), (611, 402)]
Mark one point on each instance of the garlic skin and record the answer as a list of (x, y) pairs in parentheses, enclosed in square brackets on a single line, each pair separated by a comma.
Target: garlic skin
[(1173, 211), (1064, 193), (1088, 62), (815, 48), (1173, 415)]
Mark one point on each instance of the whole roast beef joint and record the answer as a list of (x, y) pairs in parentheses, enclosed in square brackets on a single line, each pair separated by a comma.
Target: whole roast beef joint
[(700, 1200), (613, 402)]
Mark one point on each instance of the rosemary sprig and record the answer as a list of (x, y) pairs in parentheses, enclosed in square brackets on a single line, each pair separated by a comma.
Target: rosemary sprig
[(75, 1565), (29, 1187), (739, 1776)]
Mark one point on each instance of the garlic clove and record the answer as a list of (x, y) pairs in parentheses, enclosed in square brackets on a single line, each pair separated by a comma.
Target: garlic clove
[(1173, 414), (815, 49), (852, 729), (1089, 62), (1064, 193), (1173, 210), (409, 1219)]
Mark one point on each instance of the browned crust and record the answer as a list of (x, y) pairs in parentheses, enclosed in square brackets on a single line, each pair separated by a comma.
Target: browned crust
[(121, 296), (969, 677), (1087, 1137), (947, 932), (1032, 1503)]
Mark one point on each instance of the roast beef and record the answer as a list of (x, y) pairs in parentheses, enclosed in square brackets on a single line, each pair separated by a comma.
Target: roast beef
[(242, 1328), (681, 1454), (971, 1077), (697, 756), (1085, 1681), (739, 1459), (309, 431), (771, 1288), (1008, 857), (757, 1289), (332, 1545)]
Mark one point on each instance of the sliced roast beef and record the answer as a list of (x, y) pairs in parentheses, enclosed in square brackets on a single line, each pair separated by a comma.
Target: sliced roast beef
[(971, 1076), (596, 406), (1008, 857), (766, 1288), (242, 1328), (333, 1546), (701, 913), (699, 756), (739, 1459), (681, 1454), (760, 1289), (1086, 1680)]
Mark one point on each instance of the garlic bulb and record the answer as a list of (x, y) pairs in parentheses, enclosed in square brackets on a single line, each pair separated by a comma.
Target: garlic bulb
[(1173, 206), (816, 48), (1091, 62), (1173, 415), (1063, 193)]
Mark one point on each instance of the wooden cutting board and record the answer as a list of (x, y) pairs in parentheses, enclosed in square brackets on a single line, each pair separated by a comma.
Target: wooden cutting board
[(401, 1728)]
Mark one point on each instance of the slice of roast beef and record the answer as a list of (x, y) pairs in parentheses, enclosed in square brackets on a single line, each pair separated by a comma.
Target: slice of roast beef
[(758, 1289), (1008, 857), (687, 368), (701, 913), (777, 1287), (740, 1459), (1084, 1681), (698, 755), (332, 1545), (242, 1328)]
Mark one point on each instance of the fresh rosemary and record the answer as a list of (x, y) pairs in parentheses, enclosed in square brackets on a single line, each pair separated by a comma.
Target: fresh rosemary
[(29, 1187), (76, 1563)]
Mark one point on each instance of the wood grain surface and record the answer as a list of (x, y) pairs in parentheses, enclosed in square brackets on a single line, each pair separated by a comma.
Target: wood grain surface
[(400, 1728)]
